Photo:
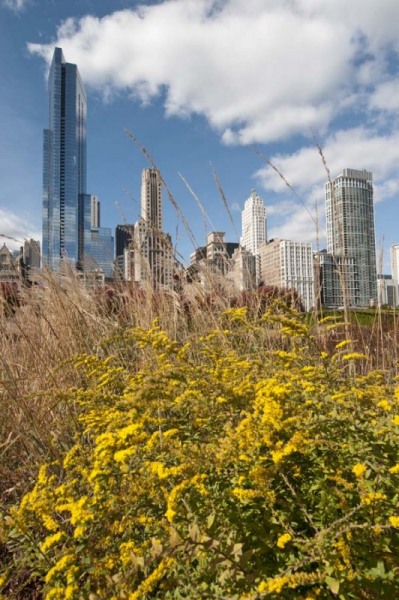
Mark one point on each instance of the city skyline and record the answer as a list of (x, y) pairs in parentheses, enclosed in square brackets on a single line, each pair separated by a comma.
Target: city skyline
[(186, 128)]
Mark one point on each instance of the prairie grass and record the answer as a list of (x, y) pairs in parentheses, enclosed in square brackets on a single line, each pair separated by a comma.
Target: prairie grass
[(58, 324)]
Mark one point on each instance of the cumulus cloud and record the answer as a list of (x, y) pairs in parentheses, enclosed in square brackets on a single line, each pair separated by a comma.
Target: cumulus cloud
[(258, 70), (386, 96), (357, 148), (301, 224)]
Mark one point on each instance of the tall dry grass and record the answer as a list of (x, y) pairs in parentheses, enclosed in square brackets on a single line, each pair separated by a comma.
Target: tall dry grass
[(59, 319)]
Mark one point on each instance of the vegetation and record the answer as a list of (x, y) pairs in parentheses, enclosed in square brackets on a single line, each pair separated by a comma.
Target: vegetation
[(156, 446)]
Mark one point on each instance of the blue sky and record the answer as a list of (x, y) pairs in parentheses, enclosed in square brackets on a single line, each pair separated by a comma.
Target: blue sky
[(208, 85)]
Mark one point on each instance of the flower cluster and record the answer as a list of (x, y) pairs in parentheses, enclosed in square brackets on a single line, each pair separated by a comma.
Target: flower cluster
[(220, 468)]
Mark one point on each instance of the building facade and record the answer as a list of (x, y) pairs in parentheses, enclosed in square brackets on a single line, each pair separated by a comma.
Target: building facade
[(289, 265), (150, 255), (220, 263), (95, 211), (64, 165), (350, 230), (9, 266), (395, 271), (331, 272), (254, 226), (151, 198), (101, 252), (386, 291)]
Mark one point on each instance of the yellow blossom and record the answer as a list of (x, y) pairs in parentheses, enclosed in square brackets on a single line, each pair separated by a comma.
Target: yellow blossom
[(359, 470), (384, 404), (283, 540)]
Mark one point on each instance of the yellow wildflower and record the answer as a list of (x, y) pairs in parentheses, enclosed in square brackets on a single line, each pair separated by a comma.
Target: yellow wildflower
[(354, 356), (373, 497), (384, 404), (283, 540), (394, 521), (359, 470)]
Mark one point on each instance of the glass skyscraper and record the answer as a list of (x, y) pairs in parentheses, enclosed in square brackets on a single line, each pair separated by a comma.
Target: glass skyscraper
[(65, 220), (351, 234)]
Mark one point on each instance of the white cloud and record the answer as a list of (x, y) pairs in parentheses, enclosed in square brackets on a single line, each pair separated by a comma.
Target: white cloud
[(14, 229), (15, 5), (356, 148), (298, 223), (259, 70), (386, 96)]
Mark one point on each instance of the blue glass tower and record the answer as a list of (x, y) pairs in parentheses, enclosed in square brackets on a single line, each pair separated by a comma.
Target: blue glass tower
[(64, 167)]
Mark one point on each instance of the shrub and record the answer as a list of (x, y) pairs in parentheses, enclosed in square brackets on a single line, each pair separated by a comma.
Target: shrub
[(219, 468)]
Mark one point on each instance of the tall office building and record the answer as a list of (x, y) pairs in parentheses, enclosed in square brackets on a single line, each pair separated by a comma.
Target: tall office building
[(350, 231), (151, 259), (151, 198), (254, 226), (64, 167)]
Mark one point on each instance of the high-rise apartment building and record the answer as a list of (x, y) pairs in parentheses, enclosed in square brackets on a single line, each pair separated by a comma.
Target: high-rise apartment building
[(254, 226), (395, 271), (64, 166), (350, 231), (289, 265)]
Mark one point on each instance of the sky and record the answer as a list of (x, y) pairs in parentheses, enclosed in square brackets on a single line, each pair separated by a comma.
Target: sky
[(225, 95)]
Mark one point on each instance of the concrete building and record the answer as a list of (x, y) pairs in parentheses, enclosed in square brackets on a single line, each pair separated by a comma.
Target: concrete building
[(10, 266), (151, 255), (242, 271), (151, 199), (31, 255), (221, 262), (395, 271), (254, 226), (289, 265), (386, 291), (350, 231)]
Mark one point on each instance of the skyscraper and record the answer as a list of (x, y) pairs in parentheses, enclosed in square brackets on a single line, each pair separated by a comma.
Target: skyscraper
[(254, 226), (152, 256), (151, 198), (64, 166), (350, 231)]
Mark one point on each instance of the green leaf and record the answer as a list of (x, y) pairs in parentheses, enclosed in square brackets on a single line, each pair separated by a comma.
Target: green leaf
[(333, 584), (210, 520)]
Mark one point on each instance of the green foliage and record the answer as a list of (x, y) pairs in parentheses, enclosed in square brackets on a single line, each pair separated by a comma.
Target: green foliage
[(220, 469)]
